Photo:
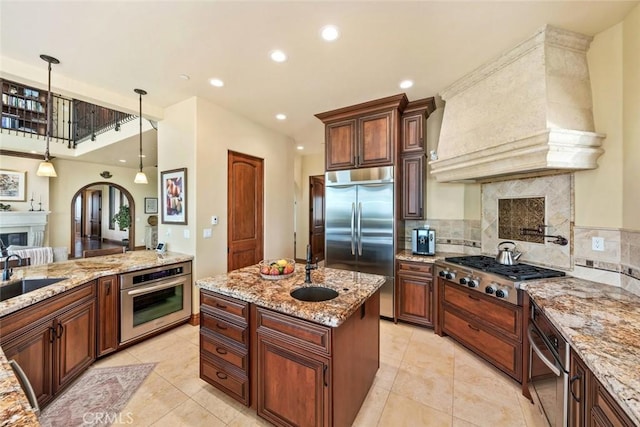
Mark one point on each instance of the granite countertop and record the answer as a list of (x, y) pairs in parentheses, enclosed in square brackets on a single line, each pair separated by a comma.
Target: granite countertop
[(247, 285), (80, 271), (407, 255), (602, 324), (15, 409)]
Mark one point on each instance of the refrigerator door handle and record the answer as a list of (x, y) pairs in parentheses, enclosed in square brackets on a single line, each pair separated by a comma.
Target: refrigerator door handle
[(353, 229), (360, 229)]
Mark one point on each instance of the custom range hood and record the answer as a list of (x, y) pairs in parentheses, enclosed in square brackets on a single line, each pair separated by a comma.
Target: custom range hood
[(527, 113)]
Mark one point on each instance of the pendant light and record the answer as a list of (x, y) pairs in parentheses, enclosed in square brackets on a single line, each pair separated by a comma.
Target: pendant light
[(46, 167), (140, 178)]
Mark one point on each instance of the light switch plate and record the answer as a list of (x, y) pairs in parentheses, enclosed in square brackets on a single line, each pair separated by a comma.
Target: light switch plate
[(206, 233), (185, 233)]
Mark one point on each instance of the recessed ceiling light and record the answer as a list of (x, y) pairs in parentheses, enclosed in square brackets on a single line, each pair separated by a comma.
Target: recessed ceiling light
[(406, 84), (300, 147), (278, 55), (330, 33), (216, 82), (184, 77), (122, 161), (281, 116)]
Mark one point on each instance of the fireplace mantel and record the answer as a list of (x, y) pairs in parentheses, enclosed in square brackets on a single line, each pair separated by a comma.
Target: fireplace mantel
[(31, 222)]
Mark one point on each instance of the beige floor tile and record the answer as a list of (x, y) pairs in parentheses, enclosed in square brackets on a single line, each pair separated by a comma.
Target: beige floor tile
[(458, 422), (420, 357), (485, 405), (427, 387), (401, 411), (372, 407), (155, 398), (121, 358), (249, 418), (188, 332), (472, 369), (397, 329), (218, 403), (392, 348), (386, 375), (183, 370), (189, 414), (531, 413), (161, 347)]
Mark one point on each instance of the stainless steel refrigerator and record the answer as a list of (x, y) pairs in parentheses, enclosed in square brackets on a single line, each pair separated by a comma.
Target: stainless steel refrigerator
[(359, 229)]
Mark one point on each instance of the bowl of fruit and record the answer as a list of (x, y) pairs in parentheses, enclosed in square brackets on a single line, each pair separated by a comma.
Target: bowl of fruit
[(274, 269)]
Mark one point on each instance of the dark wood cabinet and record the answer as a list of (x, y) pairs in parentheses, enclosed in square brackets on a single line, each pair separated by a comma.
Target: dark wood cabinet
[(363, 135), (414, 293), (413, 167), (224, 344), (108, 321), (491, 328), (53, 341), (590, 404)]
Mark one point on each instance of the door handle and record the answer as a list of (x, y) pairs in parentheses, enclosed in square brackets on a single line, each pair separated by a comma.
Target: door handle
[(26, 385), (60, 331), (360, 228), (353, 229), (571, 381)]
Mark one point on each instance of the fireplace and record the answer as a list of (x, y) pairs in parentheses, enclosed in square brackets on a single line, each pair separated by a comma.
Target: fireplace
[(19, 224)]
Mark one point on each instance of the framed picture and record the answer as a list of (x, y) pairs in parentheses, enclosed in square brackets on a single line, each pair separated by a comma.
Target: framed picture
[(174, 196), (13, 186), (151, 205)]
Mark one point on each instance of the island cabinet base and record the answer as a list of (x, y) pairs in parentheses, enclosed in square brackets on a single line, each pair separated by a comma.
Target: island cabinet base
[(301, 373)]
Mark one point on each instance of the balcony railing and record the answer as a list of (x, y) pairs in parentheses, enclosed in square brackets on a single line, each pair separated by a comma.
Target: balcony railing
[(24, 111)]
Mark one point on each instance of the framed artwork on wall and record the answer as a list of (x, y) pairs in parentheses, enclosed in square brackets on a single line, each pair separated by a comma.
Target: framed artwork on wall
[(13, 186), (151, 205), (174, 196)]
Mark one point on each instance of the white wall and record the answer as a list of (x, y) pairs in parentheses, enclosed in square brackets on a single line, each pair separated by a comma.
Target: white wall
[(36, 185)]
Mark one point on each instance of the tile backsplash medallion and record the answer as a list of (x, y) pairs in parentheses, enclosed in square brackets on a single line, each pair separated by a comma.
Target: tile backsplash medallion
[(557, 193), (521, 219)]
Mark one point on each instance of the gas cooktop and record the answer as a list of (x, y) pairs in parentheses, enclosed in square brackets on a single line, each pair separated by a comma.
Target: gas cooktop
[(515, 272)]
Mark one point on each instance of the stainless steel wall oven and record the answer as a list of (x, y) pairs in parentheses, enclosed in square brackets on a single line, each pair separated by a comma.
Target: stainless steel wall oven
[(153, 299)]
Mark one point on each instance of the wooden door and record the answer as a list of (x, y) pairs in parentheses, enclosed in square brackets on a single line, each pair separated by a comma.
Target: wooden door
[(107, 315), (95, 214), (376, 140), (293, 387), (75, 343), (33, 352), (414, 299), (316, 216), (413, 187), (77, 217), (340, 150), (413, 132), (245, 193)]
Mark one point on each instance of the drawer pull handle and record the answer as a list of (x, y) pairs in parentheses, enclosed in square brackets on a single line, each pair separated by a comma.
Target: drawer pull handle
[(221, 350), (219, 326), (221, 375), (473, 328), (473, 298), (222, 306)]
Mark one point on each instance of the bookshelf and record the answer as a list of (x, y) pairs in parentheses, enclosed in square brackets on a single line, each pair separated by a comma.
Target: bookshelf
[(24, 108)]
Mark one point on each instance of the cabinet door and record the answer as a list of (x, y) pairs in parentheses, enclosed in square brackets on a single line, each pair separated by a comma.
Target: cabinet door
[(33, 352), (107, 315), (604, 411), (413, 133), (75, 343), (292, 386), (340, 150), (414, 299), (577, 391), (376, 140), (412, 187)]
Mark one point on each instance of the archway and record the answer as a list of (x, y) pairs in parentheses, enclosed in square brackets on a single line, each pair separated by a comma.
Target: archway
[(124, 192)]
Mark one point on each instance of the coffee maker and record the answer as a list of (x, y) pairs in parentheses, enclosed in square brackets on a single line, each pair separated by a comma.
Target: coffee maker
[(423, 241)]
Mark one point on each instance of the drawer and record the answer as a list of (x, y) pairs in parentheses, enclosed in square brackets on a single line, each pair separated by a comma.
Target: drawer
[(235, 309), (502, 353), (233, 384), (414, 267), (223, 327), (506, 319), (224, 350), (307, 335)]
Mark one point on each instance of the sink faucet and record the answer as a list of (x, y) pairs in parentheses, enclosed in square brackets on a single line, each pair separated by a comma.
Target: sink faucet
[(309, 266), (8, 272)]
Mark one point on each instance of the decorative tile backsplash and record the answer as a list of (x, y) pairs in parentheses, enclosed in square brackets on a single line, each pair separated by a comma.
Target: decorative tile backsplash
[(517, 216)]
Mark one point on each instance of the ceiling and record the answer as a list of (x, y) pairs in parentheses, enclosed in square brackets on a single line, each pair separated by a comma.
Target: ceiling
[(121, 45)]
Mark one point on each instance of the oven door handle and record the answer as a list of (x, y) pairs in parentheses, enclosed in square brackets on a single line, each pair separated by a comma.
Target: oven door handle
[(155, 288), (556, 371)]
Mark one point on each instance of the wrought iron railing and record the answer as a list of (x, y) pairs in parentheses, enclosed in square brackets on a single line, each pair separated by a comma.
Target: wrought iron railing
[(72, 121)]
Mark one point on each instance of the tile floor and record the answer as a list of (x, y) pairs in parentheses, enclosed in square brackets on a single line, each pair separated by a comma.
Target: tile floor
[(423, 380)]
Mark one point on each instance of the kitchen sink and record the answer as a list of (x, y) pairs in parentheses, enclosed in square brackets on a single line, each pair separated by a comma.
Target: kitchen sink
[(314, 294), (26, 285)]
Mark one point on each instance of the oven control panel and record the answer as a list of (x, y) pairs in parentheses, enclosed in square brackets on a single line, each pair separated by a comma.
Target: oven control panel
[(479, 281)]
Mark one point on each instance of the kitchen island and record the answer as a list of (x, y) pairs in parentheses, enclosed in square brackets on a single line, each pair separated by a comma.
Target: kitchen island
[(602, 325), (294, 362)]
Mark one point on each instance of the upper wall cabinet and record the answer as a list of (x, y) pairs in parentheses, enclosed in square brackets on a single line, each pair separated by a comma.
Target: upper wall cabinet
[(363, 135)]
